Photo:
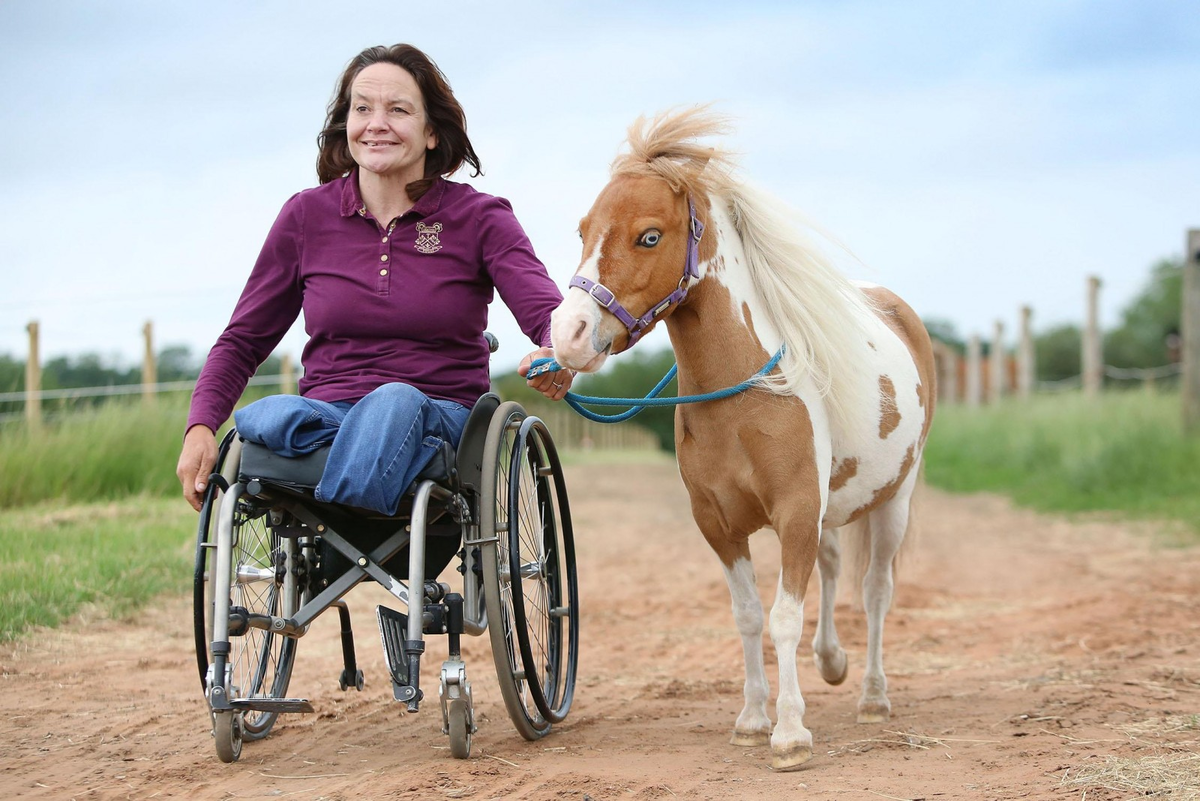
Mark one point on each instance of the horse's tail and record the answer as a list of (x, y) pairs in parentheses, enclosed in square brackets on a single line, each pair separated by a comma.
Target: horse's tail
[(855, 541)]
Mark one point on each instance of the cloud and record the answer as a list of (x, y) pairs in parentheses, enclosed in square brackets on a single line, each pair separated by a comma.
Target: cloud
[(975, 157)]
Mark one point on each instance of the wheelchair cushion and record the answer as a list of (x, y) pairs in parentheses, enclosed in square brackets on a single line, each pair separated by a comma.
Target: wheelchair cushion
[(304, 472)]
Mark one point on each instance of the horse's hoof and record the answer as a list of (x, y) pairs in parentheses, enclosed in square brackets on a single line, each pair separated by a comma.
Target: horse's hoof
[(874, 712), (790, 758), (834, 672), (750, 738)]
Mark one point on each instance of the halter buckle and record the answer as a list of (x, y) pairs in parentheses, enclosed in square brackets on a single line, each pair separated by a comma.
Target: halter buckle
[(598, 287)]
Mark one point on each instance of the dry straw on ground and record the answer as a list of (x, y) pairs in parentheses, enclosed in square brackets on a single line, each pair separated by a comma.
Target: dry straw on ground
[(1173, 776)]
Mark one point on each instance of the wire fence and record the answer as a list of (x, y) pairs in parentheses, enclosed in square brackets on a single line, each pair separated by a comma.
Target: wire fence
[(570, 431), (1149, 376), (69, 396)]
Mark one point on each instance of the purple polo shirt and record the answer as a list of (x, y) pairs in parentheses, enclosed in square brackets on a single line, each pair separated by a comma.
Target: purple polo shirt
[(380, 307)]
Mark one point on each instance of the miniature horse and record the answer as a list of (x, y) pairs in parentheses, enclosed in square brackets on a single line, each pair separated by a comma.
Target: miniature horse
[(833, 436)]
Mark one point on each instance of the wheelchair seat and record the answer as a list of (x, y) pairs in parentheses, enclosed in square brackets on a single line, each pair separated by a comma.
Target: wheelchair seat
[(304, 472)]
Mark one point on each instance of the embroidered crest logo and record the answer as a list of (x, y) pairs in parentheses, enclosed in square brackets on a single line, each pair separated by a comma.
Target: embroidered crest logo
[(427, 238)]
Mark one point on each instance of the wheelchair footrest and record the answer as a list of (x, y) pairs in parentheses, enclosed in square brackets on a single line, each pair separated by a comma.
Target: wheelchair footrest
[(400, 654), (272, 704)]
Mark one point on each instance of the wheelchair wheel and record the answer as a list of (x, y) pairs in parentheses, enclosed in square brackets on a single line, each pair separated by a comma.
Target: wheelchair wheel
[(502, 626), (260, 662), (227, 731), (543, 586), (459, 725), (228, 458)]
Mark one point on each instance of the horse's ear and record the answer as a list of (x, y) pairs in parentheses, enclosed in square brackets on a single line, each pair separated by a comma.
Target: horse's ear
[(703, 158)]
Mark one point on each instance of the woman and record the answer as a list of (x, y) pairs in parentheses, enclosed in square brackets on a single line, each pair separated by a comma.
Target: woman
[(393, 267)]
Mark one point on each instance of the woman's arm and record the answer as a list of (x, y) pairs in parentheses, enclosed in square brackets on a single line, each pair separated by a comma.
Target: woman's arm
[(269, 304)]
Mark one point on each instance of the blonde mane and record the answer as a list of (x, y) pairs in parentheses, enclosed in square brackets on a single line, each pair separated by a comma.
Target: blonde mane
[(820, 315)]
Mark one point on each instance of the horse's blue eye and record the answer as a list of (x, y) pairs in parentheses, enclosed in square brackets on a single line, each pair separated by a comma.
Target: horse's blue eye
[(650, 239)]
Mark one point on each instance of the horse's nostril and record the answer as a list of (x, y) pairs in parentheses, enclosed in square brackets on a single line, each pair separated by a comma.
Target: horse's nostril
[(579, 332)]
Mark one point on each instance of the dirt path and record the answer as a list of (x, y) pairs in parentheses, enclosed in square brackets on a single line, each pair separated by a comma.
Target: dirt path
[(1023, 652)]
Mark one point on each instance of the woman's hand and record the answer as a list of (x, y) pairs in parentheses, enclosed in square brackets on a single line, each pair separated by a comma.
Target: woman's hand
[(196, 463), (553, 385)]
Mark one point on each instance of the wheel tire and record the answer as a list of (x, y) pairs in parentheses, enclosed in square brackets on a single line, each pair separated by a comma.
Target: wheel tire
[(228, 459), (460, 728), (544, 589), (227, 731), (261, 661), (493, 527)]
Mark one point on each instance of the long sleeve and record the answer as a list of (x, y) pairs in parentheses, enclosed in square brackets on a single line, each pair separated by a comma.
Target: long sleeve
[(268, 306), (517, 273)]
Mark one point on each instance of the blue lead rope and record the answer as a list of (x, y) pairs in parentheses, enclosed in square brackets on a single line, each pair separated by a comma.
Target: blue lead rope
[(639, 405)]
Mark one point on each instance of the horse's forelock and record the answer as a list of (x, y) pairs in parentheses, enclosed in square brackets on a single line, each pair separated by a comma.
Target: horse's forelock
[(669, 147)]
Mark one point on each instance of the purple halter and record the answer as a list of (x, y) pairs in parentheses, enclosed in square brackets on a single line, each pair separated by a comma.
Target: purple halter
[(637, 326)]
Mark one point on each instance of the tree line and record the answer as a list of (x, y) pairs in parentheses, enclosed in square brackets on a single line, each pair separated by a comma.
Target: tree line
[(1148, 334)]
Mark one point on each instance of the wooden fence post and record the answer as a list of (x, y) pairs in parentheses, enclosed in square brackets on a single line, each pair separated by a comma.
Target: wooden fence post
[(948, 381), (946, 361), (287, 382), (1191, 332), (974, 371), (1093, 352), (1026, 358), (33, 380), (149, 366), (996, 362)]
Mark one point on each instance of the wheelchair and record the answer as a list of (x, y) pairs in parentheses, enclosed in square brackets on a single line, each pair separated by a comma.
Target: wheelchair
[(271, 558)]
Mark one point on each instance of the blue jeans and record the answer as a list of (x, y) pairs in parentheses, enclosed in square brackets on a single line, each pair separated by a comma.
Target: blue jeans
[(379, 444)]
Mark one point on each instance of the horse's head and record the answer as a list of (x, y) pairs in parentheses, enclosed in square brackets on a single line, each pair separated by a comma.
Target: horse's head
[(641, 239), (640, 254)]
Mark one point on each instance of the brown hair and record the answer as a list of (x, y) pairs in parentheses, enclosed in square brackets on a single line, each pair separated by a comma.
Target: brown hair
[(442, 109)]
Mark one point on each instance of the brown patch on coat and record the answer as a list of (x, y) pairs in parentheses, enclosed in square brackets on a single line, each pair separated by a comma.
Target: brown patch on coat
[(747, 462), (843, 471), (900, 317), (889, 412), (887, 491), (749, 318)]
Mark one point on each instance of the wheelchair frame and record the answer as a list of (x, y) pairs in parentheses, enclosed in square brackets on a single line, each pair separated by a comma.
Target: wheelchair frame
[(270, 559)]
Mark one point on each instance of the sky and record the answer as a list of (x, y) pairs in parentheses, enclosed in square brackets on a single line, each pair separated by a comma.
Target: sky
[(973, 157)]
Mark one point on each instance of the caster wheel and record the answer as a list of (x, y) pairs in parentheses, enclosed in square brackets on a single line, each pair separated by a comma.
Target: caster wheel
[(227, 729), (460, 729)]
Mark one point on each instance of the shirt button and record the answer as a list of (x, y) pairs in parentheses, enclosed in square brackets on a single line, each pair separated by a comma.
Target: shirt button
[(383, 272), (385, 239), (383, 257)]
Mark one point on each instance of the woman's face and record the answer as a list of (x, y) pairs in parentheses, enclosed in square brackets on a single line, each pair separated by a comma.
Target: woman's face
[(387, 129)]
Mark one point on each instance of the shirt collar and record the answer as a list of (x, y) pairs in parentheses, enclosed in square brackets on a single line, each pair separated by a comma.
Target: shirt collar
[(352, 200)]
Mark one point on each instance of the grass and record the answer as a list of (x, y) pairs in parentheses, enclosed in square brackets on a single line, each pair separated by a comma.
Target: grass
[(92, 513), (113, 557), (1123, 452), (113, 451)]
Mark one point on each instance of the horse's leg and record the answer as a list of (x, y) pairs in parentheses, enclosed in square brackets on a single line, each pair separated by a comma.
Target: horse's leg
[(752, 727), (791, 742), (828, 653), (888, 524)]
